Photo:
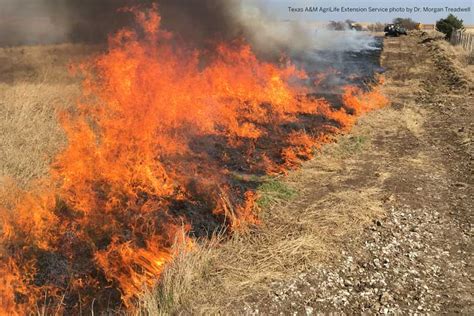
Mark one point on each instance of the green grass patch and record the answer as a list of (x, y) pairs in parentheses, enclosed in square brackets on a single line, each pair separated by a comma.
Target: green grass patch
[(273, 191), (352, 144)]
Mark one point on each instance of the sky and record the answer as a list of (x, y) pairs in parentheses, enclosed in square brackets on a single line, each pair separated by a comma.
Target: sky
[(279, 9)]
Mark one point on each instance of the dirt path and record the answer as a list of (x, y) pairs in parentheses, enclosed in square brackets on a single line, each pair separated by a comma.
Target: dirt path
[(412, 163)]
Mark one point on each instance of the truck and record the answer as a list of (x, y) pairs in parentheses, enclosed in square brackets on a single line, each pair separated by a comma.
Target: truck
[(394, 30)]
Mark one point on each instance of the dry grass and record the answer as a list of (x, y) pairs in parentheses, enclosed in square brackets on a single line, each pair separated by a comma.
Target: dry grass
[(461, 58), (29, 130), (34, 85), (300, 231)]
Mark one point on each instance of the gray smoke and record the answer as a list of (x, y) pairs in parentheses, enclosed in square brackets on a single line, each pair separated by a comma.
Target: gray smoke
[(270, 34), (195, 22), (28, 22), (52, 21), (339, 57)]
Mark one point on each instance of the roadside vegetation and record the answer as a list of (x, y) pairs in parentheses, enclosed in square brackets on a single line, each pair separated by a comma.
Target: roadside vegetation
[(406, 23)]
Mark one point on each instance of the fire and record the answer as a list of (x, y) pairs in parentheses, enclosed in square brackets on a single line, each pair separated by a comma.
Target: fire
[(152, 147)]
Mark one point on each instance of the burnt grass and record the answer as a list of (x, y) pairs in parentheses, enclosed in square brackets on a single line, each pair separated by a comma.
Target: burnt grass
[(213, 153)]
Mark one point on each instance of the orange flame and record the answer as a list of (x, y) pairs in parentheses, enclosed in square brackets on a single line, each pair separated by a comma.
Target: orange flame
[(151, 148)]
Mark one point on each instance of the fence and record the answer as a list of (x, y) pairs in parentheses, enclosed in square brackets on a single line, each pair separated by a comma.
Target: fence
[(466, 40)]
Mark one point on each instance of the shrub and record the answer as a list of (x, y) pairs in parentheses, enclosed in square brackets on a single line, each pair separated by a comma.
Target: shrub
[(407, 23), (449, 25)]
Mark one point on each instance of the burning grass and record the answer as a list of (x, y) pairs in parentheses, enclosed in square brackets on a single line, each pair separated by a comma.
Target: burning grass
[(154, 144)]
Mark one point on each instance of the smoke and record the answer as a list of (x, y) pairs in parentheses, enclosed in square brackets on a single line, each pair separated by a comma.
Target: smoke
[(331, 58), (28, 22), (52, 21), (269, 34), (196, 22)]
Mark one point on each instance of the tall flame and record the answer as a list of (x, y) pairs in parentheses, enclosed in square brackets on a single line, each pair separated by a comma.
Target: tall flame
[(153, 145)]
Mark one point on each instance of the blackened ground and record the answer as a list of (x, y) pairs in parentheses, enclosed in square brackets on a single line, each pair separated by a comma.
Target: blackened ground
[(331, 70)]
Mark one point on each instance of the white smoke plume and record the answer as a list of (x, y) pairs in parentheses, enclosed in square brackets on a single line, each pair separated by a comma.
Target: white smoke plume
[(271, 34)]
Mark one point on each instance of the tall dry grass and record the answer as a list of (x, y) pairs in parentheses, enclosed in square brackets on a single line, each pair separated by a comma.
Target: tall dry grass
[(462, 59), (29, 132), (34, 85)]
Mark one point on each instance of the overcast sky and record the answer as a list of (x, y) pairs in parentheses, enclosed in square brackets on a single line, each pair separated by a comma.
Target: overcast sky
[(279, 8)]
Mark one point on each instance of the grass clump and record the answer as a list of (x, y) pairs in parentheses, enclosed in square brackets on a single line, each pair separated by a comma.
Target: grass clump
[(352, 145), (273, 191)]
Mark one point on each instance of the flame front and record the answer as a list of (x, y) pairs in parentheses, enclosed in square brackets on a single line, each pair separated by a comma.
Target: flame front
[(152, 148)]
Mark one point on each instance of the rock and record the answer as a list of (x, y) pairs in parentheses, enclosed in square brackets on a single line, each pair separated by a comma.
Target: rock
[(377, 306), (377, 263), (385, 298)]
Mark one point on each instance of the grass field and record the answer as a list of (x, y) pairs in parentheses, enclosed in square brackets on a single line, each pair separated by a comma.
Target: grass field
[(34, 85), (312, 219)]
